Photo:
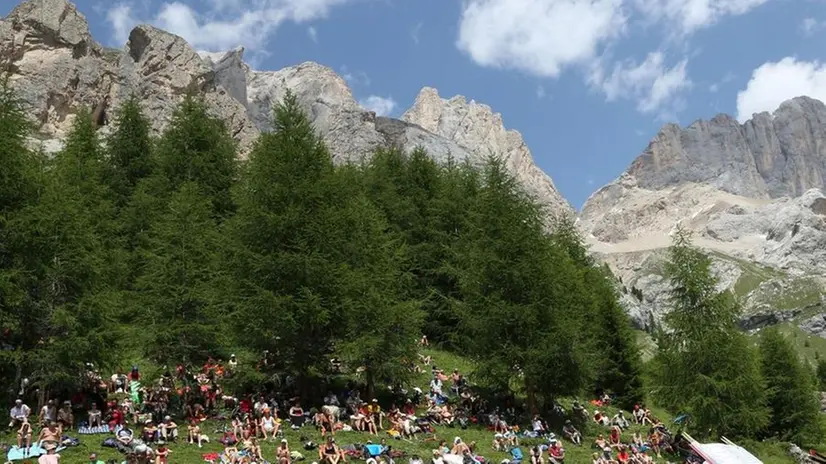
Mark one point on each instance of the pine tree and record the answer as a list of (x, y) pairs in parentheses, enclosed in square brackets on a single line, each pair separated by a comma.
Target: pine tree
[(620, 362), (381, 327), (76, 263), (705, 366), (289, 296), (520, 295), (19, 190), (197, 147), (177, 287), (821, 374), (795, 411), (129, 150)]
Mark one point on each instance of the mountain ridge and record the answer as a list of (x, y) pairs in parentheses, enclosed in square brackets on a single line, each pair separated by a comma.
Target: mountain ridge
[(58, 67)]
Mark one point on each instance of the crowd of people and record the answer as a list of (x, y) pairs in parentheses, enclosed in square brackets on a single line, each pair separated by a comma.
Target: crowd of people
[(140, 418)]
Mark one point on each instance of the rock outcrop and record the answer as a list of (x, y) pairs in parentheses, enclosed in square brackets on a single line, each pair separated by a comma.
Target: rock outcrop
[(476, 127), (58, 68), (750, 193), (770, 156)]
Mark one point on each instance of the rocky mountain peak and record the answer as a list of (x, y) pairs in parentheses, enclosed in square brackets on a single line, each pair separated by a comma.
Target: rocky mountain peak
[(769, 156), (476, 127), (51, 24), (57, 69)]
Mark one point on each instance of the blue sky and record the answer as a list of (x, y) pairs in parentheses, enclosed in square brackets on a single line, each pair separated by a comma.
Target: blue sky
[(587, 82)]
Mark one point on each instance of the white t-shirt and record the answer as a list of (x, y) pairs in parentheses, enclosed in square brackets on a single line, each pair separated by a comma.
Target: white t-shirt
[(49, 412), (18, 412)]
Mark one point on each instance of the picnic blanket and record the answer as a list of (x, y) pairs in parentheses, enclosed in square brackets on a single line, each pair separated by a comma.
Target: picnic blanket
[(86, 430), (18, 454)]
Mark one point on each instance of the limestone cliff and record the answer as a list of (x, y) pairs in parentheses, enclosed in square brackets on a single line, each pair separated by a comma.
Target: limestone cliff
[(750, 193), (58, 68), (770, 156)]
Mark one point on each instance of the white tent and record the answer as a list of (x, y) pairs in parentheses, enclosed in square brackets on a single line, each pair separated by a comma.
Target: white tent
[(723, 453)]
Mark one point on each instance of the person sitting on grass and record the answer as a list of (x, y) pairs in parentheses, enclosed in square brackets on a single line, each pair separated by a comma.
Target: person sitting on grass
[(329, 453), (536, 455), (125, 439), (24, 435), (615, 437), (571, 433), (65, 417), (600, 418), (162, 454), (268, 425), (600, 443), (622, 456), (296, 415), (459, 447), (325, 423), (369, 423), (194, 434), (19, 413), (95, 416), (169, 429), (150, 432), (655, 440), (357, 420), (499, 442), (48, 412), (556, 453), (374, 409), (620, 420), (282, 453)]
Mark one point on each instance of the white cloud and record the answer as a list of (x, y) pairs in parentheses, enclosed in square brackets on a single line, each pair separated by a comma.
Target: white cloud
[(380, 105), (121, 19), (715, 87), (313, 33), (414, 34), (773, 83), (539, 37), (228, 23), (651, 83), (687, 16), (810, 25), (358, 78)]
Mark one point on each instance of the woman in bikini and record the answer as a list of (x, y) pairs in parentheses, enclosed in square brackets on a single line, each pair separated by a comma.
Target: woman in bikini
[(282, 453), (24, 435), (329, 453)]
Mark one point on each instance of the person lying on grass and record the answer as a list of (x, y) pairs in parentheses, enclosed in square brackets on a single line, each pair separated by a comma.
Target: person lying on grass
[(50, 434)]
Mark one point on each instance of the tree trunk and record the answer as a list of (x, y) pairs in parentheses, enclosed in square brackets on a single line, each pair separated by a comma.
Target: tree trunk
[(531, 393), (371, 383)]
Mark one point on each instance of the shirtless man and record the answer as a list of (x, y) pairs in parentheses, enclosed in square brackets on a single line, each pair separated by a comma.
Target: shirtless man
[(50, 433)]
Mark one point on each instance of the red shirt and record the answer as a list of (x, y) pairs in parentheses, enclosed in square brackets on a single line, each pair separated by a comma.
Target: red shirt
[(622, 456), (555, 451)]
